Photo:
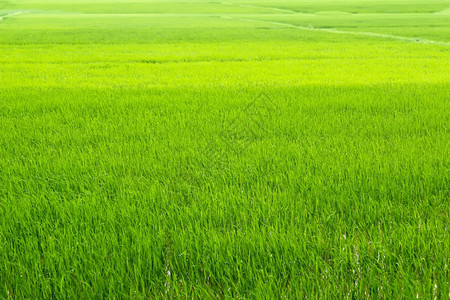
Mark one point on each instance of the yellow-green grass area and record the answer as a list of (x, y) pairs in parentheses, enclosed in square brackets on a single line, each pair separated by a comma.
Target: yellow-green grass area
[(241, 149)]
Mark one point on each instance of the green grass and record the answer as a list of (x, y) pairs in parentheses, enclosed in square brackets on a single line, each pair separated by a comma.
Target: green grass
[(207, 149)]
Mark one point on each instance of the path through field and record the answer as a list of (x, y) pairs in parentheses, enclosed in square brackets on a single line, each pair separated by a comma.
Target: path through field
[(2, 17), (361, 33)]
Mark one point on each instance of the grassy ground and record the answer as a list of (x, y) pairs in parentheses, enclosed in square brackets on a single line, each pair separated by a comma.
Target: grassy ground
[(224, 149)]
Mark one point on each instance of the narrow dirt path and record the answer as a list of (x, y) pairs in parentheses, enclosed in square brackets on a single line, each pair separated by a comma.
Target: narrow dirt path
[(10, 15), (360, 33), (260, 7)]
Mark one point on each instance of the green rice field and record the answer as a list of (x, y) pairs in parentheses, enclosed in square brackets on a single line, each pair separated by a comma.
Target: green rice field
[(245, 149)]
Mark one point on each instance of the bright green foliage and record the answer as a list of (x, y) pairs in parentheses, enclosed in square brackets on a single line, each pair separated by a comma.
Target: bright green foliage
[(224, 149)]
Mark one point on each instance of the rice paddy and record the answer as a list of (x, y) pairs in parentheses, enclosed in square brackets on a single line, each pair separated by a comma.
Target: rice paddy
[(241, 149)]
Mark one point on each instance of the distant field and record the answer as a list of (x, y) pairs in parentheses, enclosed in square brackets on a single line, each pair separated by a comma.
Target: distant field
[(235, 149)]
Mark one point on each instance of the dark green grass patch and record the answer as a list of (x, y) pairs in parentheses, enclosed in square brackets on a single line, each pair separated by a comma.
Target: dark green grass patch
[(114, 192)]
